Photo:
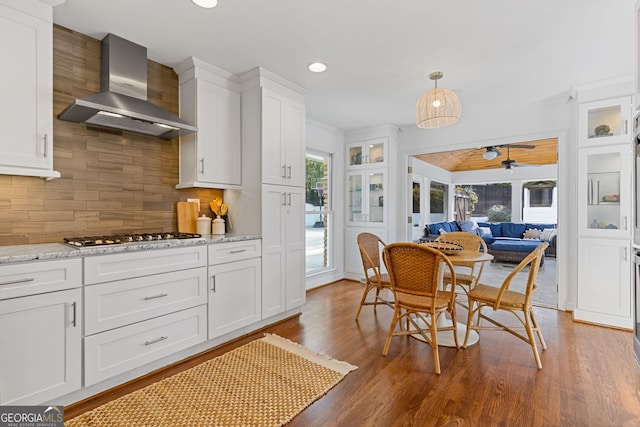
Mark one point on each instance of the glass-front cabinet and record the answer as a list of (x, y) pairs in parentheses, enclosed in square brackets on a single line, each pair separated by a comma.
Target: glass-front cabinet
[(366, 192), (605, 122), (369, 153), (605, 181)]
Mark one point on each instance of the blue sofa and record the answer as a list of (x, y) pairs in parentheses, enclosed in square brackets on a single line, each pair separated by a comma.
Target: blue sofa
[(505, 240)]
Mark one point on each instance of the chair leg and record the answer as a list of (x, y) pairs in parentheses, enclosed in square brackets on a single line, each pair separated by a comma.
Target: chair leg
[(538, 331), (434, 341), (455, 325), (396, 312), (532, 339), (363, 299), (375, 301)]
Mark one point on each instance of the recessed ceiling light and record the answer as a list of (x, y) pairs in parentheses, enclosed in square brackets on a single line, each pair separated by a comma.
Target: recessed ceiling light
[(206, 3), (317, 67)]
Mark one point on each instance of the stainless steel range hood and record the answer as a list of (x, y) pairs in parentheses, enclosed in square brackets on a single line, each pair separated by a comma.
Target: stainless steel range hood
[(123, 104)]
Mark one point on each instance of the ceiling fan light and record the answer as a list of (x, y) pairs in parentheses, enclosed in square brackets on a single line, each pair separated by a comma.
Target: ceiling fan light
[(206, 3), (437, 108), (508, 170), (490, 154)]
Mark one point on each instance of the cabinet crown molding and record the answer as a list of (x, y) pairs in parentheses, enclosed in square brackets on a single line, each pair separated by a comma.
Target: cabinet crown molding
[(261, 77), (193, 67)]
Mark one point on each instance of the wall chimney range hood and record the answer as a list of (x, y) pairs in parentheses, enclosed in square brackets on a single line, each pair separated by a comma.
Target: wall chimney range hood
[(123, 104)]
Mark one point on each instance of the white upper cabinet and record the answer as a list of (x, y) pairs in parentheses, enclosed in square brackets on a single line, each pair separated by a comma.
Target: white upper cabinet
[(209, 98), (26, 104), (283, 140), (604, 195), (370, 153), (605, 122)]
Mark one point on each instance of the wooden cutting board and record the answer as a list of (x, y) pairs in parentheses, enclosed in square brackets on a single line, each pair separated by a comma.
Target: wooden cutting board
[(187, 216)]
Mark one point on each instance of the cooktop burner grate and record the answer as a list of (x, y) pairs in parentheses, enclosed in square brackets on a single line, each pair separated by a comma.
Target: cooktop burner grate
[(126, 238)]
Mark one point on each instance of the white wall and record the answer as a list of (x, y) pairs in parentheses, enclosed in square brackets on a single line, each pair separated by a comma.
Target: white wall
[(323, 137)]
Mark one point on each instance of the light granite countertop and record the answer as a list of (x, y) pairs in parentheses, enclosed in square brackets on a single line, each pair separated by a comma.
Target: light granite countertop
[(49, 251)]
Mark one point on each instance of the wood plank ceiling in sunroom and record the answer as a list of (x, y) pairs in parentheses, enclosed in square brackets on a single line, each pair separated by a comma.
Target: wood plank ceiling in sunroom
[(544, 153)]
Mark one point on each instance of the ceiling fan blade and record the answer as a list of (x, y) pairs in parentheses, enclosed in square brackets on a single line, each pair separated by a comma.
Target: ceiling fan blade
[(520, 164), (527, 146)]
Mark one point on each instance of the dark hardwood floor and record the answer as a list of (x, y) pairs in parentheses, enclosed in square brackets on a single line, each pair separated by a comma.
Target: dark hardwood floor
[(586, 378)]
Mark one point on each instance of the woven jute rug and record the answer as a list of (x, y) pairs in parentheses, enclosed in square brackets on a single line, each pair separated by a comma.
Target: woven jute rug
[(264, 383)]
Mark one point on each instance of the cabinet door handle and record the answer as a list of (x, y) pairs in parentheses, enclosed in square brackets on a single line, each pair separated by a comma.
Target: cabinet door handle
[(213, 283), (624, 253), (74, 323), (626, 127), (202, 165), (624, 221), (155, 341), (284, 199), (238, 251), (289, 171), (155, 296), (288, 199), (13, 282), (46, 144), (284, 171)]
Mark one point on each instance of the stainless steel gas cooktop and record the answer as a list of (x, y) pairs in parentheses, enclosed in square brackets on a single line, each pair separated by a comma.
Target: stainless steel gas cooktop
[(126, 238)]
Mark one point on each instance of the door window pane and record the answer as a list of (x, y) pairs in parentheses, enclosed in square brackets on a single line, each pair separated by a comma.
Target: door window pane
[(318, 213)]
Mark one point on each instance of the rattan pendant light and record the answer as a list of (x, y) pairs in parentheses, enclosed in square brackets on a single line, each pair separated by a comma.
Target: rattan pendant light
[(437, 108)]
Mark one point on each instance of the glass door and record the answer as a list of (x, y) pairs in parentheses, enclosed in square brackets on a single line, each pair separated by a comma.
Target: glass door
[(318, 213), (354, 194), (605, 191)]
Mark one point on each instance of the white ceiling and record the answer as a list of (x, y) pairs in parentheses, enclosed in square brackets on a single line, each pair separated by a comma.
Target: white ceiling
[(379, 53)]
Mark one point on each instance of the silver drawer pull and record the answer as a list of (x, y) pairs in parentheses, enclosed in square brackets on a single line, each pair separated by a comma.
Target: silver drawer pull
[(13, 282), (155, 341), (74, 323), (155, 296), (238, 251)]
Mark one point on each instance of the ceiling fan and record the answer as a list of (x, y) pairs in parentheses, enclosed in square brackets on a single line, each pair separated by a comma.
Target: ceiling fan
[(492, 150), (509, 162)]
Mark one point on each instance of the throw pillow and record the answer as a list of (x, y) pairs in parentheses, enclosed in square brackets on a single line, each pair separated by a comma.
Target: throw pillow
[(532, 233), (485, 232), (468, 226), (548, 233)]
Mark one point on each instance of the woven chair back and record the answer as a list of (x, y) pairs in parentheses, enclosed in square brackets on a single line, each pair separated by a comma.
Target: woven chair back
[(532, 260), (369, 245), (414, 269)]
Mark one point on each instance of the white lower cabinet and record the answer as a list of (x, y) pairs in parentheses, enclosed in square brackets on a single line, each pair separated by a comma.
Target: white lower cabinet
[(142, 306), (235, 296), (604, 282), (283, 243), (119, 350), (353, 261), (114, 304), (41, 354), (235, 286)]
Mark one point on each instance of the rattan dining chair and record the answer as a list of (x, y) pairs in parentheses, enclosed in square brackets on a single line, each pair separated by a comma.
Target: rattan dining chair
[(370, 246), (468, 275), (414, 270), (505, 299)]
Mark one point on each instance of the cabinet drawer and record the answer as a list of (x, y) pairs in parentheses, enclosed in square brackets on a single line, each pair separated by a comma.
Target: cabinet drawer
[(107, 268), (17, 280), (234, 251), (113, 352), (114, 304)]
